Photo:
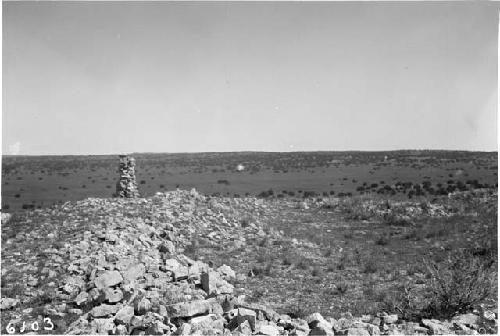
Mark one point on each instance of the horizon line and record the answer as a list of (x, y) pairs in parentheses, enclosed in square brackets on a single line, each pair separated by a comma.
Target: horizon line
[(262, 152)]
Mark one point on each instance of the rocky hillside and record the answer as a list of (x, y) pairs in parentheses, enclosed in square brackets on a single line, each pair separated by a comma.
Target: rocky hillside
[(120, 266)]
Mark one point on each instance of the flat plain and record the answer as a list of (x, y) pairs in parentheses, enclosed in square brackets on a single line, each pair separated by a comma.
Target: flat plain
[(38, 181)]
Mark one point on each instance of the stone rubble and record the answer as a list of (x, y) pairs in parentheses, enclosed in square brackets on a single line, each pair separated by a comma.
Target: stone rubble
[(118, 265)]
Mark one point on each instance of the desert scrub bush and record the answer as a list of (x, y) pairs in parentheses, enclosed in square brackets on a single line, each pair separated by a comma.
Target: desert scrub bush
[(192, 249), (457, 284), (266, 194), (370, 267), (397, 220), (299, 310), (262, 271), (403, 300), (341, 288), (383, 240), (246, 220), (303, 264), (317, 272)]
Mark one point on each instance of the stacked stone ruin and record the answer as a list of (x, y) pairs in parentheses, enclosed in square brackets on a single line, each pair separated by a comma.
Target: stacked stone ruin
[(126, 187)]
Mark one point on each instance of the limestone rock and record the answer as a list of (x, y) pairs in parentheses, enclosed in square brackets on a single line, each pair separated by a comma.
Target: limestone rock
[(469, 320), (8, 303), (212, 283), (113, 295), (226, 272), (436, 327), (133, 272), (124, 315), (104, 310), (239, 316), (102, 326), (357, 332), (268, 329), (206, 323), (390, 319), (108, 279), (188, 309)]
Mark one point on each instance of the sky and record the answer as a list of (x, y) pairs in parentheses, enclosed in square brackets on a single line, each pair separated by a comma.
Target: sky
[(123, 77)]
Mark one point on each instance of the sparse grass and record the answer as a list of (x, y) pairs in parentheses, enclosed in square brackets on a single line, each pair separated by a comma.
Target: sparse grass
[(303, 264)]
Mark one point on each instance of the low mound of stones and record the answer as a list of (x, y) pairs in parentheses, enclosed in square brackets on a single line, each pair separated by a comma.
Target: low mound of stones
[(115, 266)]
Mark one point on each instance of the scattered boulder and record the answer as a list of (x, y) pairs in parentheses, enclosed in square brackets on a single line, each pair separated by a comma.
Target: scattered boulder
[(104, 310), (124, 315), (436, 327), (239, 316), (113, 295), (8, 303), (198, 307), (108, 279), (133, 272), (390, 319), (212, 283), (469, 320), (268, 329), (357, 332)]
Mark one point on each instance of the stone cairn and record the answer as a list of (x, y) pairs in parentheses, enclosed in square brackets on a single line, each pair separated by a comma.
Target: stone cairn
[(126, 187)]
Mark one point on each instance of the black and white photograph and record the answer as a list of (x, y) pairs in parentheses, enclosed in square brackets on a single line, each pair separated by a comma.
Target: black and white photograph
[(279, 168)]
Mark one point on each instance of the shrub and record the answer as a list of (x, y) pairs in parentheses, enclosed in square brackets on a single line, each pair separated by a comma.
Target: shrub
[(287, 261), (397, 220), (370, 267), (458, 284), (303, 264), (246, 220), (263, 271), (316, 272), (310, 194), (299, 311), (265, 194), (192, 249), (341, 288), (403, 301), (382, 240)]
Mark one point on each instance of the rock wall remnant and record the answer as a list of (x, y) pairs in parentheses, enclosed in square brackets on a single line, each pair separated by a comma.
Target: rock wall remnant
[(126, 187)]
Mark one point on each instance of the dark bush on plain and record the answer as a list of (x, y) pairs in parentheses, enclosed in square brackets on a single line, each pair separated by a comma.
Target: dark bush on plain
[(459, 283)]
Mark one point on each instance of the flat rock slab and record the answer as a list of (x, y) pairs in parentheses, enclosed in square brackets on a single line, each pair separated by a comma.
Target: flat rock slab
[(108, 279), (188, 309)]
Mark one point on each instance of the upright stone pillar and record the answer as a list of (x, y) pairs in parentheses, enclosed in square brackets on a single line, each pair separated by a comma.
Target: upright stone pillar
[(126, 187)]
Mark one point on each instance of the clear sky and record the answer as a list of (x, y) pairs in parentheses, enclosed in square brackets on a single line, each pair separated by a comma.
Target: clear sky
[(108, 77)]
